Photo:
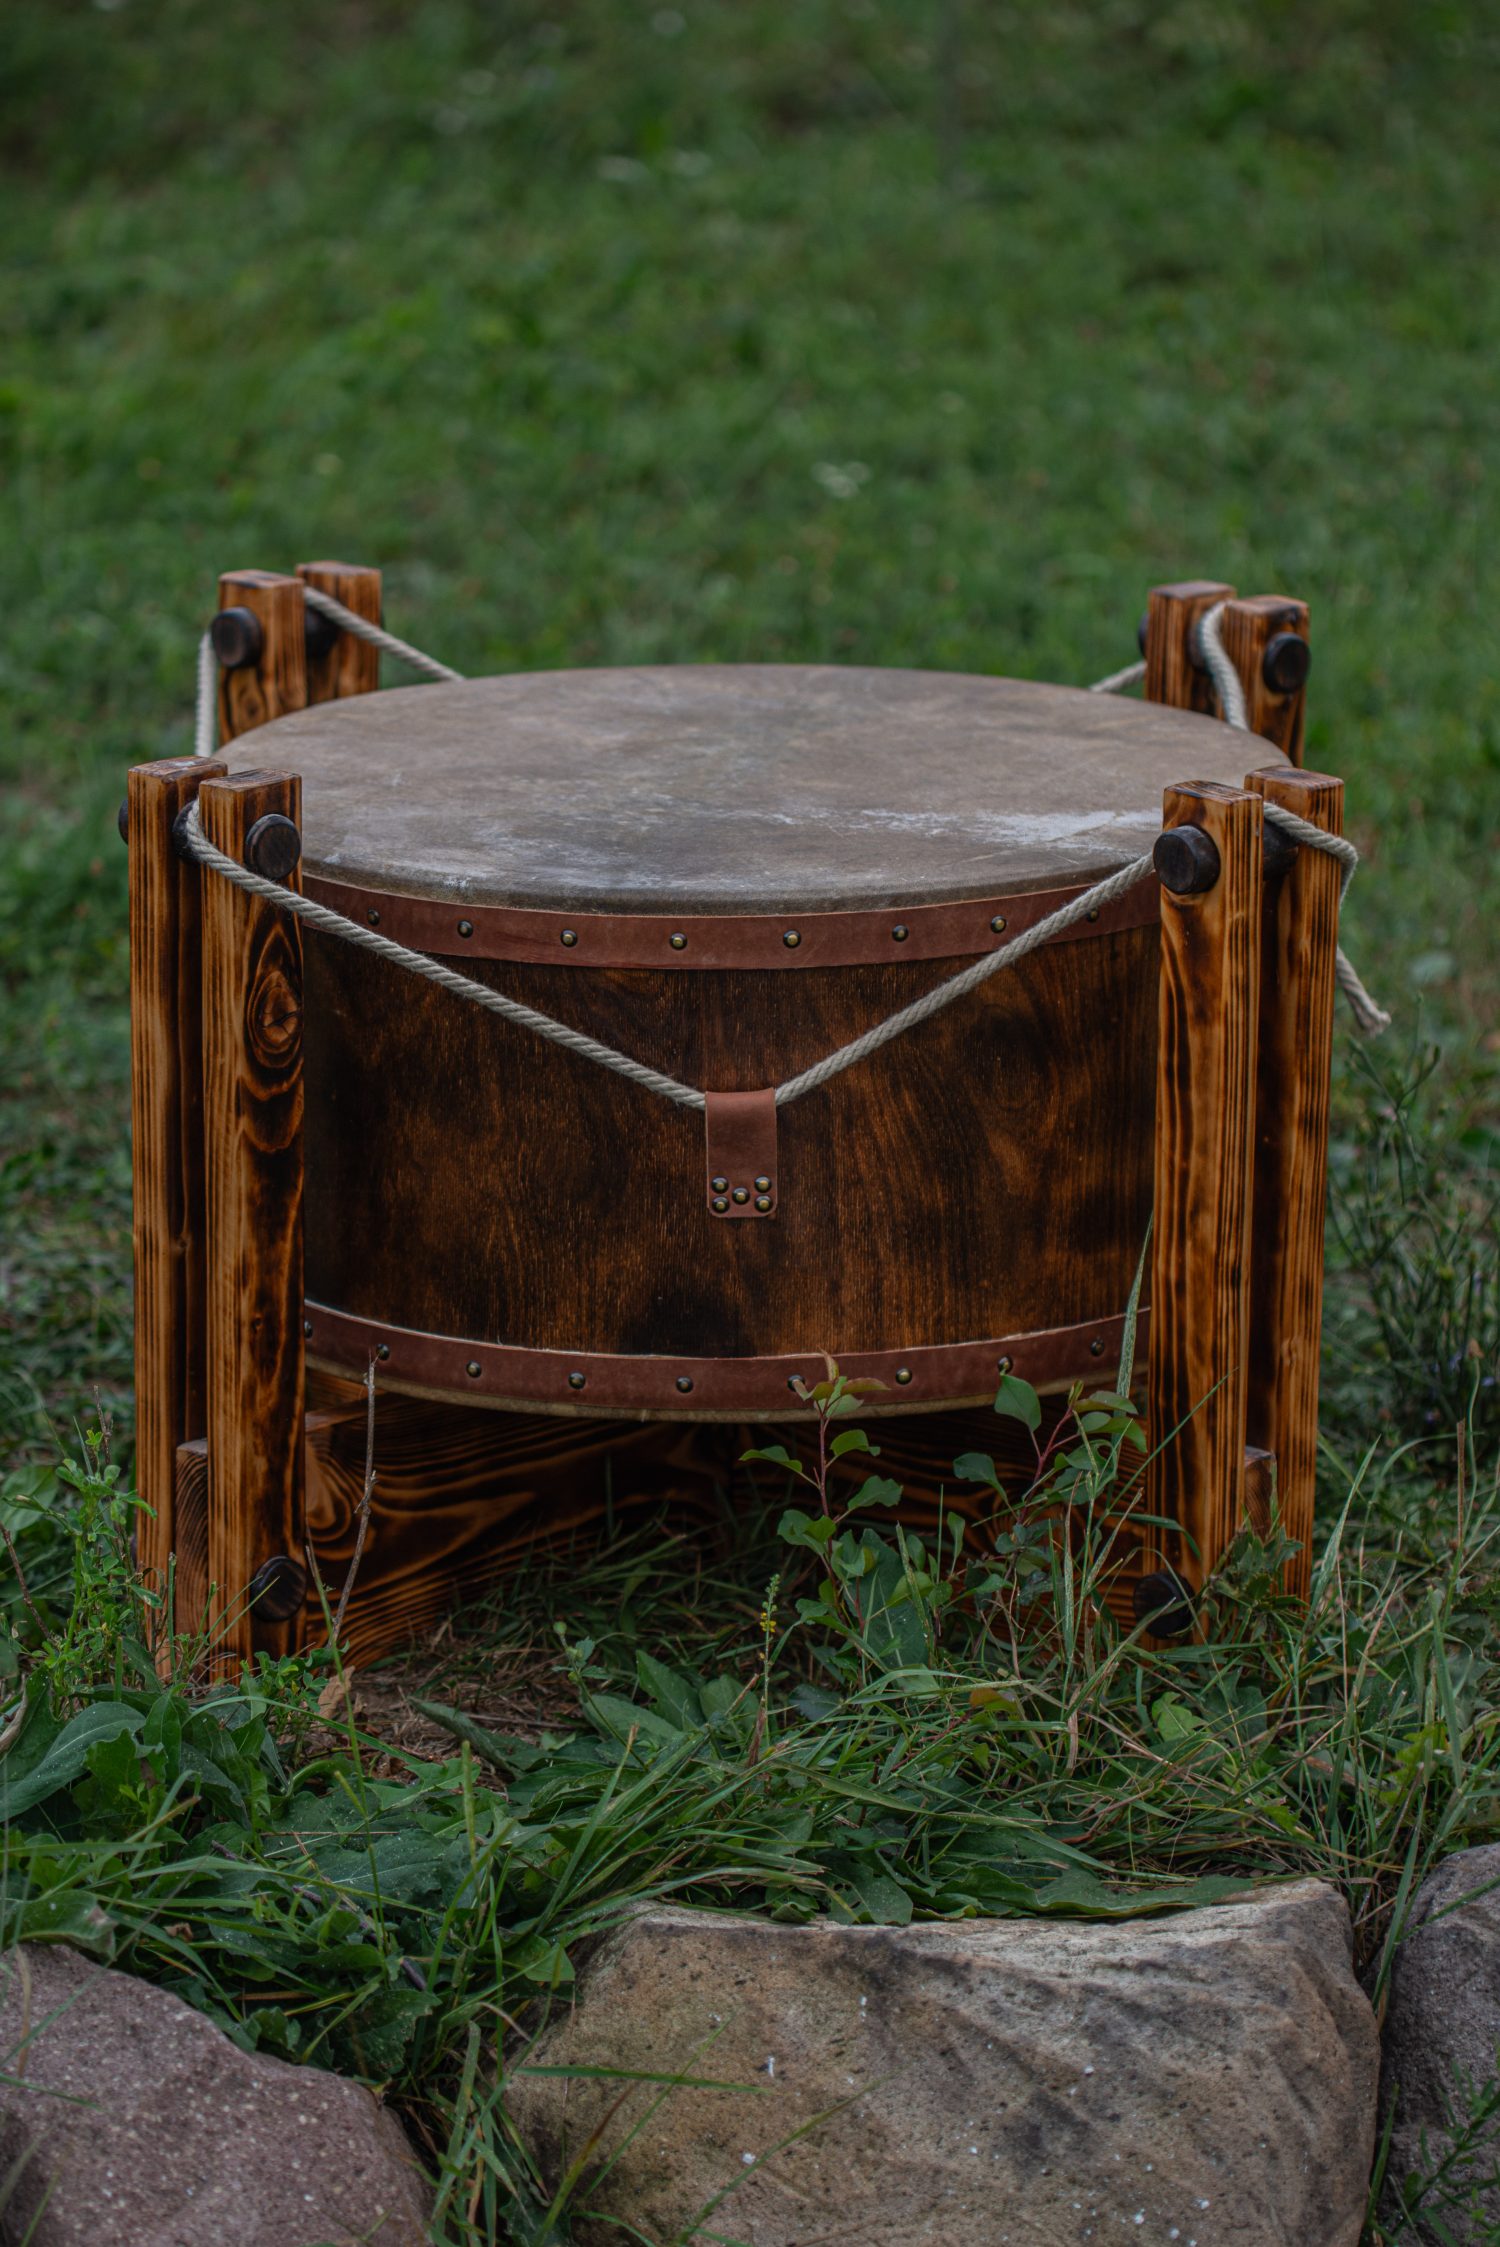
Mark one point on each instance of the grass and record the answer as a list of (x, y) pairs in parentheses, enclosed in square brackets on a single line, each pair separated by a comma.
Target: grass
[(889, 331)]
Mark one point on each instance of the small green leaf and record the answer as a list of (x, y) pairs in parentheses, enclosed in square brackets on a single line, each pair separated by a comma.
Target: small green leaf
[(852, 1439), (877, 1490), (1017, 1400), (978, 1466), (797, 1528)]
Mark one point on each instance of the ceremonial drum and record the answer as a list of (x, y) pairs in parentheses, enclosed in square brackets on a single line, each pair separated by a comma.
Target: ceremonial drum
[(664, 1125), (728, 873)]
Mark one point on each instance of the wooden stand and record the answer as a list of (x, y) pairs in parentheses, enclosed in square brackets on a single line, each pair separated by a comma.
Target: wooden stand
[(258, 1497), (1242, 1121)]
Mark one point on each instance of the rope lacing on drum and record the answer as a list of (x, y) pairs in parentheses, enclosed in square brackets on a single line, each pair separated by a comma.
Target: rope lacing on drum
[(1370, 1017)]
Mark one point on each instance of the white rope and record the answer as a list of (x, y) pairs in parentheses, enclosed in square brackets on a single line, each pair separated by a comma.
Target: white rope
[(323, 917), (968, 979), (1370, 1017), (1118, 681), (376, 635), (206, 712)]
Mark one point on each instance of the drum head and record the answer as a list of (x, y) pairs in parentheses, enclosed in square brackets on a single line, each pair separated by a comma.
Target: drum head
[(721, 788)]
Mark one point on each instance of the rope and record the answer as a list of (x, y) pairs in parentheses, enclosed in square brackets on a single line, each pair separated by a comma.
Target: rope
[(323, 917), (968, 979), (1118, 681), (1370, 1017), (206, 711), (377, 636)]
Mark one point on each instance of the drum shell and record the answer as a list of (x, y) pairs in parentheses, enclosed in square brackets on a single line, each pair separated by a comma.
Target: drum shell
[(987, 1174)]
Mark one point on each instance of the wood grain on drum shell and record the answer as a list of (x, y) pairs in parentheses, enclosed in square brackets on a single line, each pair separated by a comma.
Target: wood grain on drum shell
[(466, 1178)]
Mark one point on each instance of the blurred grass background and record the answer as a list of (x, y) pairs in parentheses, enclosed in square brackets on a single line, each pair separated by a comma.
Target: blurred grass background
[(887, 331)]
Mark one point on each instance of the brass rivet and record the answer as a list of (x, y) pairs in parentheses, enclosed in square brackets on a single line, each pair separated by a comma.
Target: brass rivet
[(1096, 1347), (466, 928), (575, 1380), (373, 918), (762, 1203), (307, 1326), (719, 1205), (741, 1194), (684, 1382), (720, 1185), (763, 1185), (903, 1374), (900, 933), (1094, 913), (792, 1380), (570, 936), (382, 1350), (998, 924), (678, 942), (472, 1369), (791, 940), (1004, 1365)]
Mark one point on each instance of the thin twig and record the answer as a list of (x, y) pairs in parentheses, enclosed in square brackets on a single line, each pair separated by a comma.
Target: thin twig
[(15, 1562), (366, 1495)]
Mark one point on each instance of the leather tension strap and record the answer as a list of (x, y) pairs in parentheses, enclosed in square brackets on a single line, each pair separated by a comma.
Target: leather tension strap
[(741, 1148)]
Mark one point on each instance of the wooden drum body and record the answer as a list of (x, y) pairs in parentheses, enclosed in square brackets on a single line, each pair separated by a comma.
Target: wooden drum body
[(728, 874), (724, 873)]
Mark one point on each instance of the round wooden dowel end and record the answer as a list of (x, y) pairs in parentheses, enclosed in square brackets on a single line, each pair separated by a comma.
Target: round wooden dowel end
[(1186, 861), (278, 1589), (273, 846), (237, 637), (1286, 663)]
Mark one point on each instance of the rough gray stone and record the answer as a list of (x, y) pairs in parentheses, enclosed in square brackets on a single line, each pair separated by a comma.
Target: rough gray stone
[(1443, 2025), (129, 2120), (1207, 2079)]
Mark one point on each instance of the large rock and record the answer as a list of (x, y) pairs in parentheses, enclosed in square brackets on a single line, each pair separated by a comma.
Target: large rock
[(1443, 2026), (1208, 2078), (128, 2120)]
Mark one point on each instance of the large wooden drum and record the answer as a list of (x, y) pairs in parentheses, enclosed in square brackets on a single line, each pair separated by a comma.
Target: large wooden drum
[(727, 873)]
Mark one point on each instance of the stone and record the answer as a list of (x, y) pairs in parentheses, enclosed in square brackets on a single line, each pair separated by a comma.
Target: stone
[(127, 2119), (1206, 2079), (1442, 2026)]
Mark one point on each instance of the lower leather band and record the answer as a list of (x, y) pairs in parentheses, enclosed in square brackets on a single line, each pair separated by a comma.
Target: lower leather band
[(929, 1378)]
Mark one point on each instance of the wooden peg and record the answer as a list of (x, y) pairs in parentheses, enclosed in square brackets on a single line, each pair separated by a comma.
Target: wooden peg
[(337, 662), (166, 1116), (1173, 673), (1200, 1282), (1299, 946), (252, 1043), (1265, 638), (259, 636)]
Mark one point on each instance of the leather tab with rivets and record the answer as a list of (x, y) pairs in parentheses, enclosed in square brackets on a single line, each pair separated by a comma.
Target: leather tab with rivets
[(741, 1148)]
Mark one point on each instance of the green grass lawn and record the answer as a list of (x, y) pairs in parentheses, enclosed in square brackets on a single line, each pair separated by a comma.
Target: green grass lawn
[(890, 331)]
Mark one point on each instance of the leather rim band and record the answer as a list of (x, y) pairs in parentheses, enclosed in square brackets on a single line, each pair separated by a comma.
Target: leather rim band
[(679, 1388), (893, 933)]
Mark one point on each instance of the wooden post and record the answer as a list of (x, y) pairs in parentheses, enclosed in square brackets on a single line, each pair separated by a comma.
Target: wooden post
[(1299, 944), (1200, 1284), (252, 1040), (1265, 639), (1173, 674), (166, 1121), (270, 678), (341, 664)]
